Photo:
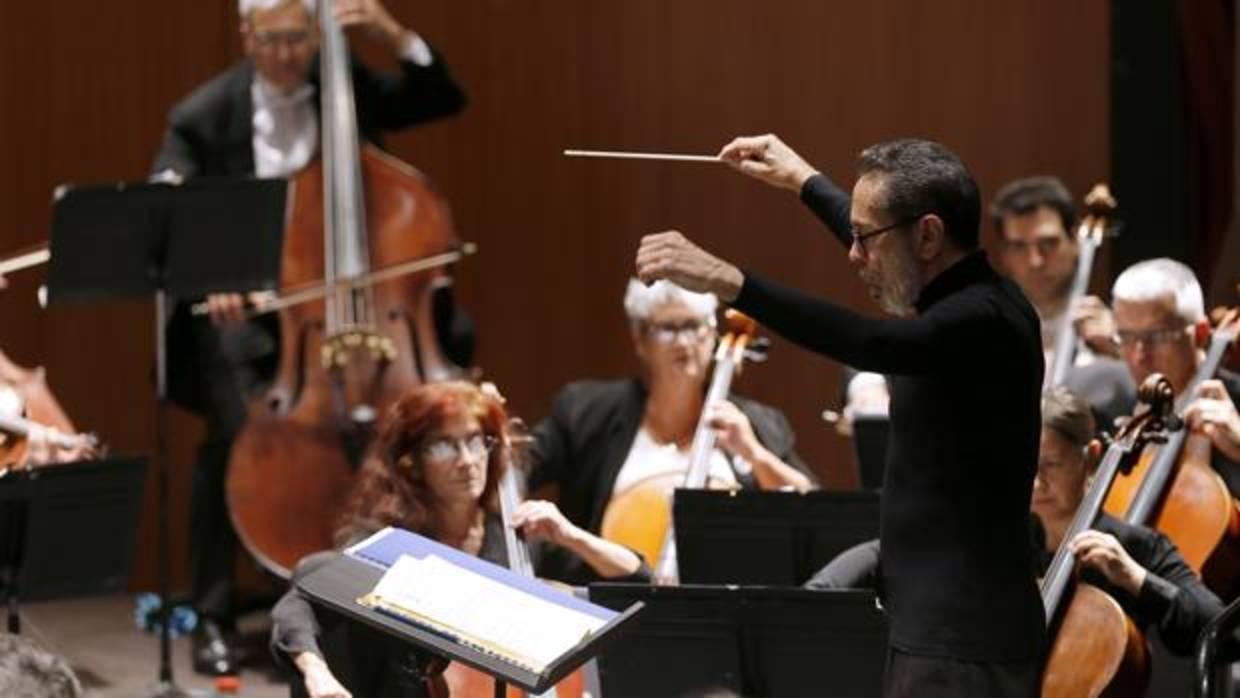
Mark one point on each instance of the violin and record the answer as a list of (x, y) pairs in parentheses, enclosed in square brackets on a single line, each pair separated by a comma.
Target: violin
[(1100, 206), (641, 516), (356, 344), (1174, 489), (1096, 647), (28, 409)]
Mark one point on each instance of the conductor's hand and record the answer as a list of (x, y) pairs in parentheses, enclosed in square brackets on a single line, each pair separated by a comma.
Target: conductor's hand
[(319, 680), (769, 159), (1102, 552), (540, 520), (673, 257)]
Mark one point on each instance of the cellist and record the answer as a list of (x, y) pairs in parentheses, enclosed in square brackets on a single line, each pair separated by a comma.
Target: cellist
[(603, 437), (434, 469), (260, 117), (1139, 567), (1160, 317)]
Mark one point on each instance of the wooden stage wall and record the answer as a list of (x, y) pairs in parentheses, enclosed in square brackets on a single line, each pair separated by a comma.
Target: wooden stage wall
[(1015, 88)]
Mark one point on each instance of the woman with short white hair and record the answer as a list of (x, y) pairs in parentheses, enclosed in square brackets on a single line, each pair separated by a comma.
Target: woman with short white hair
[(603, 438)]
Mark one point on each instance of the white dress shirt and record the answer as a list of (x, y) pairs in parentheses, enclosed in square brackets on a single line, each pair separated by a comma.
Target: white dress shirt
[(286, 128)]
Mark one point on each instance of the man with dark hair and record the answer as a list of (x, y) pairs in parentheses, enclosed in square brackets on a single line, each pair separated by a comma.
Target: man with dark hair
[(1035, 220), (966, 616)]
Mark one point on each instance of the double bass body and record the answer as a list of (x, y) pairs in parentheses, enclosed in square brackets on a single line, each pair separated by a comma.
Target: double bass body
[(345, 358)]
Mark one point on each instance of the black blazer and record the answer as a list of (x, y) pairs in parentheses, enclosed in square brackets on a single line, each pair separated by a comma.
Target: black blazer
[(584, 442), (210, 132)]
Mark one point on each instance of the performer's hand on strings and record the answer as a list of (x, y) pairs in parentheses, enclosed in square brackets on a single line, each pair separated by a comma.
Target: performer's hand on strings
[(733, 431), (372, 17), (671, 256), (1214, 414), (1102, 552), (769, 159), (540, 520), (1095, 325)]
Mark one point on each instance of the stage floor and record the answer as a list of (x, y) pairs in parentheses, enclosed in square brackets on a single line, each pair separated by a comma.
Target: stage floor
[(114, 659)]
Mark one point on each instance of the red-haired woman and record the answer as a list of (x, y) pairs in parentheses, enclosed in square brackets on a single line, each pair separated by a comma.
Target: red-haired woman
[(434, 469)]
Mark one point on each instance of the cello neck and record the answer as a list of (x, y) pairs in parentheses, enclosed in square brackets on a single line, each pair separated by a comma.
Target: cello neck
[(1089, 235), (1059, 574), (726, 361), (1156, 391), (1158, 477), (344, 215)]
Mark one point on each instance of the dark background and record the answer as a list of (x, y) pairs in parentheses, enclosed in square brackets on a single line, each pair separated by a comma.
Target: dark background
[(1015, 88)]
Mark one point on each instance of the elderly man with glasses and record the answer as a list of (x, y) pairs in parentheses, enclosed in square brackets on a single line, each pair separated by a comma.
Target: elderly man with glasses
[(965, 366), (1161, 326), (260, 118)]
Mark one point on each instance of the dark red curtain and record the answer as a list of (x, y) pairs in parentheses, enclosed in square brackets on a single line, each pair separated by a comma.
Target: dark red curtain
[(1207, 31)]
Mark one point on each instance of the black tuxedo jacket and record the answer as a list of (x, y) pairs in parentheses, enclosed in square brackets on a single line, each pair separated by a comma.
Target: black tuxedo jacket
[(211, 131)]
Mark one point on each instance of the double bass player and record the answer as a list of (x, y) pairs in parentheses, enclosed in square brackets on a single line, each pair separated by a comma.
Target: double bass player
[(260, 118)]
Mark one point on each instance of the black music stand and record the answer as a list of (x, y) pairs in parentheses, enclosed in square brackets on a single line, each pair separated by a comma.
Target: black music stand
[(44, 514), (337, 584), (760, 642), (185, 241), (767, 537)]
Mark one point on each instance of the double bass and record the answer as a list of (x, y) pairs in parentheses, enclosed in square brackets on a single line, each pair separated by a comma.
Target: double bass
[(1095, 646), (641, 516), (345, 357), (1174, 489)]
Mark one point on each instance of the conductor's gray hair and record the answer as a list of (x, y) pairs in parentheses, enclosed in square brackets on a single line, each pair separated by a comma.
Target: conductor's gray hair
[(640, 300), (1156, 279), (246, 7)]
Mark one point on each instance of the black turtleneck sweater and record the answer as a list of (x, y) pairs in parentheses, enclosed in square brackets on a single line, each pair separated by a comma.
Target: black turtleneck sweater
[(965, 376)]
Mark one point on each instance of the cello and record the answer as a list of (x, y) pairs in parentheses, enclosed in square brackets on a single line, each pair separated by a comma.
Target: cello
[(463, 681), (1100, 206), (1173, 488), (345, 357), (641, 516), (1096, 647)]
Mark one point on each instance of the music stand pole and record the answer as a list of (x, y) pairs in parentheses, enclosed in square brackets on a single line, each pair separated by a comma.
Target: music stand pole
[(167, 687)]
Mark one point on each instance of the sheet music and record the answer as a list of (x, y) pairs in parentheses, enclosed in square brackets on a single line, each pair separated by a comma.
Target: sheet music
[(486, 613)]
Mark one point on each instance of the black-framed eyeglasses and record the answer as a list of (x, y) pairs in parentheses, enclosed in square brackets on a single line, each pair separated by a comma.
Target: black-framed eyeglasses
[(860, 238)]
